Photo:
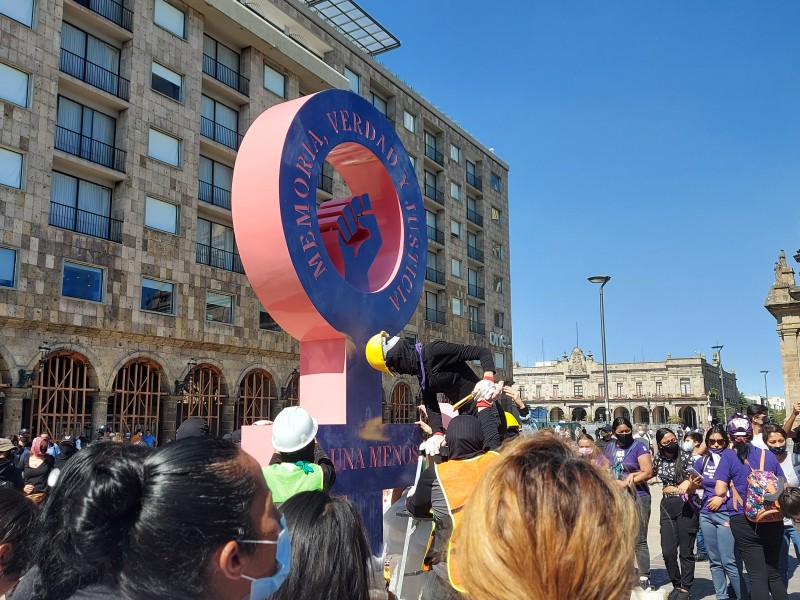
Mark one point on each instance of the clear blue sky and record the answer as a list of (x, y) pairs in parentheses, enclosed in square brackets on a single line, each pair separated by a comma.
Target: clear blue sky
[(656, 142)]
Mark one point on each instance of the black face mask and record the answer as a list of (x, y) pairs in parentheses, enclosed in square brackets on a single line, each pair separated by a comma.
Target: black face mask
[(624, 438), (4, 462), (671, 448)]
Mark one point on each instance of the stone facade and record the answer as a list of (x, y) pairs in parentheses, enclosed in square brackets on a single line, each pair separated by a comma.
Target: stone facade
[(783, 303), (571, 388), (64, 360)]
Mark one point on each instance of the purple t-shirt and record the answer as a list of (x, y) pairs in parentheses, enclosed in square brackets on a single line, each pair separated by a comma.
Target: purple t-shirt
[(710, 481), (627, 460), (733, 472)]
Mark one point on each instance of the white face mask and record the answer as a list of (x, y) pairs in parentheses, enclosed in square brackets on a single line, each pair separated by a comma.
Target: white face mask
[(687, 446), (263, 587)]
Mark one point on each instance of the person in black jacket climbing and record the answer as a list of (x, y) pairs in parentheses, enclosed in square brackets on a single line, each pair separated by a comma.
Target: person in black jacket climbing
[(441, 367)]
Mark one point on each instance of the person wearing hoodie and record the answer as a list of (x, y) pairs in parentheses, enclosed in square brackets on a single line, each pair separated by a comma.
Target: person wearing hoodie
[(10, 476), (443, 489), (67, 451), (442, 368)]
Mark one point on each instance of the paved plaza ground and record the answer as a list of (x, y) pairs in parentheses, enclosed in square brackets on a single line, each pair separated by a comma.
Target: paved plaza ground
[(702, 589)]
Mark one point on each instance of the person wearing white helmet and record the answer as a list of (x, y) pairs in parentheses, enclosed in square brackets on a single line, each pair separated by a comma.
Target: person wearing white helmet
[(299, 463)]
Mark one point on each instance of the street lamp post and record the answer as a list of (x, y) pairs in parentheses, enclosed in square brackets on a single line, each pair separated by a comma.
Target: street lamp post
[(718, 348), (766, 392), (603, 280)]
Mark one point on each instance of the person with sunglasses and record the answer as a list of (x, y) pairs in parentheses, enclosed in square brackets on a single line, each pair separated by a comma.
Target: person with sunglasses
[(725, 565)]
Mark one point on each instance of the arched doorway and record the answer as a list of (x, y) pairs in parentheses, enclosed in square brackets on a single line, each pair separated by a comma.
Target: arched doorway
[(578, 414), (556, 414), (403, 408), (689, 416), (291, 393), (257, 399), (136, 397), (600, 415), (60, 402), (641, 415), (660, 415), (202, 397), (621, 411)]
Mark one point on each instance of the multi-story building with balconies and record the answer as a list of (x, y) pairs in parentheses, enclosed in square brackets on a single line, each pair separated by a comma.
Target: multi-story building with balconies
[(676, 390), (122, 295)]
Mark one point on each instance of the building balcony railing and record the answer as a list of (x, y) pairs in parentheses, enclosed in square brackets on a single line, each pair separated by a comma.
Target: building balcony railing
[(111, 10), (476, 291), (325, 183), (226, 75), (477, 327), (94, 75), (214, 195), (474, 181), (92, 150), (83, 221), (434, 316), (434, 194), (436, 235), (474, 217), (216, 257), (219, 133), (435, 276), (432, 153), (475, 253)]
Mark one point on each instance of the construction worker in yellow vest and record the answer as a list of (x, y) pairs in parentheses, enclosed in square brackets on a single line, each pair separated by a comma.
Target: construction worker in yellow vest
[(299, 464), (443, 489)]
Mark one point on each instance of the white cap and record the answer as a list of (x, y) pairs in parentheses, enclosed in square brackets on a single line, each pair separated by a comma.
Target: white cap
[(293, 429)]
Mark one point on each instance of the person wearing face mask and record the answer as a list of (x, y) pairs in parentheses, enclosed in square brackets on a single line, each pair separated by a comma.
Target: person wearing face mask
[(37, 468), (10, 477), (693, 443), (775, 439), (587, 448), (603, 438), (725, 562), (631, 467), (642, 435), (679, 521)]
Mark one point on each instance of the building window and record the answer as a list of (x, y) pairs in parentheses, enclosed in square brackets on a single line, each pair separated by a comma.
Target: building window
[(354, 79), (499, 360), (216, 182), (82, 206), (160, 215), (638, 388), (409, 121), (458, 306), (21, 11), (8, 267), (10, 168), (379, 103), (265, 320), (538, 390), (216, 246), (601, 390), (455, 191), (87, 133), (658, 388), (455, 228), (82, 281), (455, 153), (494, 181), (432, 312), (158, 296), (170, 18), (219, 307), (455, 267), (15, 86), (686, 387), (555, 391), (166, 81), (497, 250), (90, 59), (620, 391), (164, 147), (498, 285), (402, 409), (578, 389), (499, 319), (219, 122), (274, 81), (495, 214), (223, 63)]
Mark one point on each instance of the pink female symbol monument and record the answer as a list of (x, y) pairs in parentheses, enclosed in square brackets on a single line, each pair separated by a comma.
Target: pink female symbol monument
[(335, 274)]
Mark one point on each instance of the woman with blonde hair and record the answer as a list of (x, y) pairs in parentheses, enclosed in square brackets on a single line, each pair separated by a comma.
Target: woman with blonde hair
[(537, 524)]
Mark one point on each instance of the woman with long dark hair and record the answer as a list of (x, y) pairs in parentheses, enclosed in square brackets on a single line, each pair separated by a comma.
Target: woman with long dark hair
[(631, 467), (17, 514), (679, 522), (758, 543)]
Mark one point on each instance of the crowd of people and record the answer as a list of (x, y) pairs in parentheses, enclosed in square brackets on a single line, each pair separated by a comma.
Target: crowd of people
[(517, 514)]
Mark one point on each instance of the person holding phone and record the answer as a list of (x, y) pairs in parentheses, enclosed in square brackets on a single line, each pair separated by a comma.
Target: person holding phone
[(679, 521)]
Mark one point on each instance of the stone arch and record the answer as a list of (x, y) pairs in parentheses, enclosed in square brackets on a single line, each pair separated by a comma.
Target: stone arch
[(402, 408), (136, 394), (256, 398), (641, 415), (600, 415), (7, 365), (579, 414), (622, 411), (556, 414), (660, 415), (689, 416), (203, 393), (129, 357)]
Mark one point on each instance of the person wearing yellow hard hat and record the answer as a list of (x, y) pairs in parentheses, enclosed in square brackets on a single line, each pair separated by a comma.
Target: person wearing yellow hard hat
[(442, 368)]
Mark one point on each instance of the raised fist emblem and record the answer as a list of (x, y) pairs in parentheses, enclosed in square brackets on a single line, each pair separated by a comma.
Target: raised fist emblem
[(351, 236)]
